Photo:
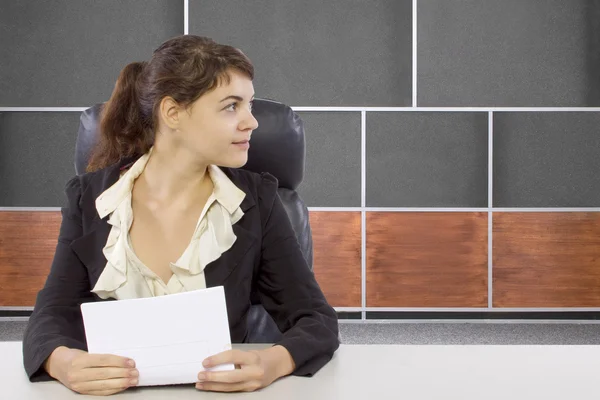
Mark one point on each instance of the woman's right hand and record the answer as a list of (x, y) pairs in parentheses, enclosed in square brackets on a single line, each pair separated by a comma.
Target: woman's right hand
[(94, 374)]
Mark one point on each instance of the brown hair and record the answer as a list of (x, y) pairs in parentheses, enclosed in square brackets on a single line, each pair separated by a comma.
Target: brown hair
[(184, 68)]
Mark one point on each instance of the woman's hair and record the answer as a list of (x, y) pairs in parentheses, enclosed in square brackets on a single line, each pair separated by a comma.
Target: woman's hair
[(184, 68)]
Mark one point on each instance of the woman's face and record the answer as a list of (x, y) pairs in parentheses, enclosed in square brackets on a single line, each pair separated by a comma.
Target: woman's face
[(217, 126)]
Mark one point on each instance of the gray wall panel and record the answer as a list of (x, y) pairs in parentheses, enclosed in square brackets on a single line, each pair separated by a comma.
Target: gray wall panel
[(36, 157), (546, 159), (316, 53), (332, 172), (417, 159), (507, 53), (65, 53)]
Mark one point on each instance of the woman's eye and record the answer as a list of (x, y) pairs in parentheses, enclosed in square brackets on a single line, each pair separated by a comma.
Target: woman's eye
[(233, 106)]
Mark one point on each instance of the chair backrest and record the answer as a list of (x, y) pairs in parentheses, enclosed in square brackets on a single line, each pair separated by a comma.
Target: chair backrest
[(278, 147)]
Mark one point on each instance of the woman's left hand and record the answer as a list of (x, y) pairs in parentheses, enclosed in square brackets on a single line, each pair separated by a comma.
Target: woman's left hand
[(253, 370)]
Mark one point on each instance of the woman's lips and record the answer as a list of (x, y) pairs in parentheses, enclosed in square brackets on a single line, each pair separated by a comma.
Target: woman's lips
[(245, 144)]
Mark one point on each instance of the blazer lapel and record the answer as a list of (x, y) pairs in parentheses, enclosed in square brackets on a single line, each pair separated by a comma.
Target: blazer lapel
[(89, 246), (89, 249), (217, 272)]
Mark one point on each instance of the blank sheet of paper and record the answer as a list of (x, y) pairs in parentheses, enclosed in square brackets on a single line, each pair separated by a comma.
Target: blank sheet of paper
[(167, 336)]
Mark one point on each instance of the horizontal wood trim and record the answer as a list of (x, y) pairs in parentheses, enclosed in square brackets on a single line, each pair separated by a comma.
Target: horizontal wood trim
[(28, 241), (337, 256), (546, 259), (413, 259), (427, 259), (27, 245)]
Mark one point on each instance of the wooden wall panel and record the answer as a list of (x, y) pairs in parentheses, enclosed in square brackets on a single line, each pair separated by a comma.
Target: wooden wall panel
[(413, 259), (337, 256), (28, 242), (419, 259), (546, 259), (27, 245)]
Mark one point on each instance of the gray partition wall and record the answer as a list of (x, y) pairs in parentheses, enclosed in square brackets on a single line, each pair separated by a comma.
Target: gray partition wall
[(57, 58), (410, 106)]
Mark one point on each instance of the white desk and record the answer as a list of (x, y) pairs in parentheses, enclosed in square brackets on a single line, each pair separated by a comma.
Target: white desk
[(384, 372)]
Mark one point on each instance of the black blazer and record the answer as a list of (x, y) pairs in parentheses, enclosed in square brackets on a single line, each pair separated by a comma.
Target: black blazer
[(265, 259)]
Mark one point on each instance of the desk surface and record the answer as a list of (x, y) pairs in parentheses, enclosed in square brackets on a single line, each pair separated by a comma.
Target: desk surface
[(384, 372)]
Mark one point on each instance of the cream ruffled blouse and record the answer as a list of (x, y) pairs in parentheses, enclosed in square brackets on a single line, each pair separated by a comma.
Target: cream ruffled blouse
[(126, 277)]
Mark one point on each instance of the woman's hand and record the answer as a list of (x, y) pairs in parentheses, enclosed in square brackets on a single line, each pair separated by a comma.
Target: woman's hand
[(254, 370), (95, 374)]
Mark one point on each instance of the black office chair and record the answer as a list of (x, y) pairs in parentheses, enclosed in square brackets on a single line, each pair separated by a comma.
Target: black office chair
[(278, 147)]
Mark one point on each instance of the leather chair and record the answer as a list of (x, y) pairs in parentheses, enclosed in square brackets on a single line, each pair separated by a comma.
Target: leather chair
[(278, 147)]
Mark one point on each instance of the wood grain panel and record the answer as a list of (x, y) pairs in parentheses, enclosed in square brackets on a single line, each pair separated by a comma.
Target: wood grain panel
[(546, 259), (423, 259), (27, 245), (337, 256), (28, 242)]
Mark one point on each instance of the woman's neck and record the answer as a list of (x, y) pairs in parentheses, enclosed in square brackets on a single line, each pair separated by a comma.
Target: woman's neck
[(173, 177)]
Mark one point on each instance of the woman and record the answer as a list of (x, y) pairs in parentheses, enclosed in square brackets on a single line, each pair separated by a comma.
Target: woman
[(164, 209)]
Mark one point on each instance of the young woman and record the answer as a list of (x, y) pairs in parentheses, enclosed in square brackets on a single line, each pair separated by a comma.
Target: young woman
[(164, 209)]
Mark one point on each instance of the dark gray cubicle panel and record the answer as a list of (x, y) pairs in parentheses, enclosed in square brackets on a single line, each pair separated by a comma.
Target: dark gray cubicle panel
[(64, 53), (509, 53), (318, 53)]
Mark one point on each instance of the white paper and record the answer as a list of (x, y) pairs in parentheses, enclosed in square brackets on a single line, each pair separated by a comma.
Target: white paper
[(167, 336)]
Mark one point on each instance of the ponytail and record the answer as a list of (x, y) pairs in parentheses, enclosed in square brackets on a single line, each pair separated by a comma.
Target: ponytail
[(125, 130)]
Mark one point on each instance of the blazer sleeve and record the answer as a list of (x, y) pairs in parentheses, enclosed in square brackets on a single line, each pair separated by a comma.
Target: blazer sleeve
[(56, 319), (289, 291)]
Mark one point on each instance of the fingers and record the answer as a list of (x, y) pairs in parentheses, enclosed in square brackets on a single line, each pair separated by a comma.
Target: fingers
[(104, 392), (238, 375), (232, 357), (100, 374), (229, 387), (108, 385), (246, 379), (102, 360)]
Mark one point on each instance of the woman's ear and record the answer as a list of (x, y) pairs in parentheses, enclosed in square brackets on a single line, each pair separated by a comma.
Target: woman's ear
[(169, 112)]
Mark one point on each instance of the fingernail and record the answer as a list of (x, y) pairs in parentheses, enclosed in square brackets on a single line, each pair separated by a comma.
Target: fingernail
[(134, 372), (201, 377), (131, 363), (133, 382), (198, 386), (206, 363)]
